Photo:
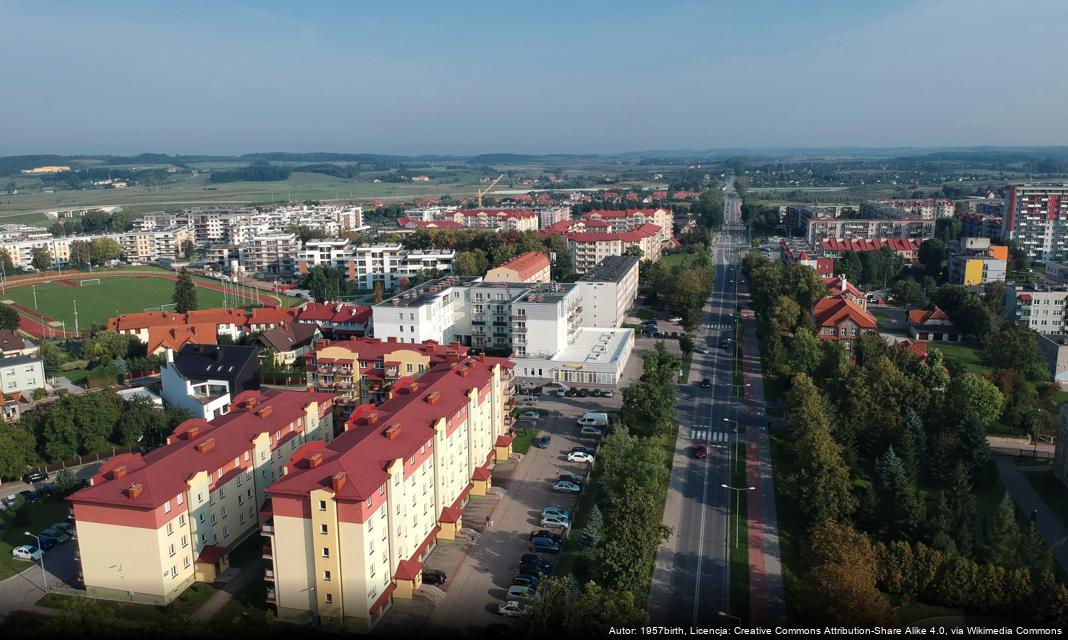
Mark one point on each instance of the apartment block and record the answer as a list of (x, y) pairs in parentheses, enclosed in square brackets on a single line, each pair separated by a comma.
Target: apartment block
[(869, 229), (1054, 348), (362, 370), (352, 521), (436, 310), (980, 225), (1036, 219), (974, 261), (1040, 308), (529, 267), (203, 379), (926, 208), (608, 291), (368, 264), (270, 254), (150, 525)]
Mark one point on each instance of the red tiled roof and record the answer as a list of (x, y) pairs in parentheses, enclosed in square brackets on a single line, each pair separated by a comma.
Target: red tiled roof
[(503, 441), (176, 337), (860, 244), (514, 214), (212, 554), (622, 213), (919, 349), (334, 312), (408, 570), (919, 317), (832, 311), (481, 473), (527, 264), (428, 224), (272, 315), (834, 287), (450, 514), (364, 452), (634, 235), (164, 473)]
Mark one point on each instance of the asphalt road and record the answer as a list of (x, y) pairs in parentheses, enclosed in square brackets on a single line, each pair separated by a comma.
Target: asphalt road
[(691, 579)]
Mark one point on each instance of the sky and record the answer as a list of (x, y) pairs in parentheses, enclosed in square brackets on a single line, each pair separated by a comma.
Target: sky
[(457, 77)]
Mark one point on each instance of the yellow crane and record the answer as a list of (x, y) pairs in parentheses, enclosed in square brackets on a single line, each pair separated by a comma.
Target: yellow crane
[(482, 192)]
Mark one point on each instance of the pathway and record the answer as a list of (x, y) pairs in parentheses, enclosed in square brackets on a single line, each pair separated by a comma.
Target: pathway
[(1028, 500), (254, 571)]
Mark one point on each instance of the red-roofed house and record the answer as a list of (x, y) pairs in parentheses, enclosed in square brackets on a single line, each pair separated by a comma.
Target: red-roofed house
[(501, 219), (529, 267), (932, 325), (840, 319), (412, 223), (354, 518), (336, 319), (150, 525), (840, 286), (168, 330)]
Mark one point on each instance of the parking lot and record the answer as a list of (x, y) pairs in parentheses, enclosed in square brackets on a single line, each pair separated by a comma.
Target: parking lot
[(480, 573)]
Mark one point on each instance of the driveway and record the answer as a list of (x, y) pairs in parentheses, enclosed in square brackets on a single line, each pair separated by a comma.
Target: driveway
[(479, 579), (22, 590)]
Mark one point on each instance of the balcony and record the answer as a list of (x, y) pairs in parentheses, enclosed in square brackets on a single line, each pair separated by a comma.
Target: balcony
[(267, 528), (478, 322), (519, 329), (267, 552), (268, 574), (271, 597)]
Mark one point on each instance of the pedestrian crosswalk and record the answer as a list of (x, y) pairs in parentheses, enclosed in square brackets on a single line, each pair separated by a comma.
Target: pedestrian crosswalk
[(704, 433), (717, 325)]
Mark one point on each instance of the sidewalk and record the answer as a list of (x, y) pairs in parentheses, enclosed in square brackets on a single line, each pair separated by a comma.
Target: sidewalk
[(766, 591), (1027, 500), (254, 571)]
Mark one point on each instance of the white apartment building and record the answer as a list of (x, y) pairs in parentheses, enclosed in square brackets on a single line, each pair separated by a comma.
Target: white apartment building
[(1040, 308), (367, 264), (436, 310), (549, 216), (270, 254), (1036, 218), (608, 291)]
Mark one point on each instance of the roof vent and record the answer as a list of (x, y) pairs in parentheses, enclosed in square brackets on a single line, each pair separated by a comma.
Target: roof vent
[(134, 491), (250, 403), (206, 446), (463, 372), (392, 431), (338, 480), (315, 460), (118, 472), (432, 397)]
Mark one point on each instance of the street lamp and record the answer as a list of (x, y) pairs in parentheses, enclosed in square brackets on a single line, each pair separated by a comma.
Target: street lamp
[(724, 614), (737, 506), (44, 575)]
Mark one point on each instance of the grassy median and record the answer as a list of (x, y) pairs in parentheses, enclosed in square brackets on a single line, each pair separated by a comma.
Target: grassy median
[(739, 551)]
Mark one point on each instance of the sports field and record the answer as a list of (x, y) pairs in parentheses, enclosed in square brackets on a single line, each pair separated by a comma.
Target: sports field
[(98, 302)]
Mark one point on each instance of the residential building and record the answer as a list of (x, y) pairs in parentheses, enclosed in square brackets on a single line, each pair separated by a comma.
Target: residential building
[(1036, 219), (926, 208), (529, 267), (270, 254), (287, 343), (589, 249), (974, 261), (1039, 308), (932, 325), (9, 407), (840, 286), (869, 229), (981, 225), (21, 374), (548, 216), (353, 521), (205, 378), (337, 319), (332, 252), (608, 291), (435, 310), (160, 330), (499, 219), (362, 370), (907, 248), (1056, 272), (150, 525), (369, 264), (12, 344), (840, 319), (632, 219), (1054, 348), (1060, 455)]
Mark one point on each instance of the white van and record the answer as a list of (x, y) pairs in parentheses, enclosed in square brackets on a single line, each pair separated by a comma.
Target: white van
[(593, 419)]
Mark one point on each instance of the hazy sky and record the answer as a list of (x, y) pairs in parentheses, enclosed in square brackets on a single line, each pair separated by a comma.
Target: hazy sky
[(529, 77)]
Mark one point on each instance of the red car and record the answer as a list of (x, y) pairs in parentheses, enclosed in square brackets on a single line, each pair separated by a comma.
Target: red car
[(700, 451)]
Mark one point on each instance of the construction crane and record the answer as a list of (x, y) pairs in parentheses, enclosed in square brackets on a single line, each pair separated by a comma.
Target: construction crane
[(482, 192)]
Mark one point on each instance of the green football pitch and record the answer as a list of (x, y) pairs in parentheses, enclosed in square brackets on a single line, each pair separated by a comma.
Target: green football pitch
[(114, 295)]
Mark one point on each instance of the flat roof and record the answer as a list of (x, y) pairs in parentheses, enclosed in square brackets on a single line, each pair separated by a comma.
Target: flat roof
[(611, 269), (595, 346), (428, 291), (551, 293)]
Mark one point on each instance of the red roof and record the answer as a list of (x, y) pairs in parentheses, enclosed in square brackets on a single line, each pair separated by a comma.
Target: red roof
[(481, 473), (919, 317), (428, 224), (528, 264), (176, 337), (272, 315), (499, 213), (833, 311), (503, 441), (212, 554), (834, 287), (372, 350), (451, 514), (859, 244), (623, 213), (919, 349), (408, 570), (164, 473), (364, 452), (334, 312)]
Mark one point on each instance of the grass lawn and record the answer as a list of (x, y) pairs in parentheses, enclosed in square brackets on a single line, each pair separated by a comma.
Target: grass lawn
[(681, 259), (191, 599), (687, 358), (37, 517), (790, 525), (77, 376), (1052, 490), (645, 313), (523, 438), (739, 552), (246, 610), (969, 357)]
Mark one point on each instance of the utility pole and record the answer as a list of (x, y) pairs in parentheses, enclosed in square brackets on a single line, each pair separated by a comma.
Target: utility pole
[(34, 287), (75, 316)]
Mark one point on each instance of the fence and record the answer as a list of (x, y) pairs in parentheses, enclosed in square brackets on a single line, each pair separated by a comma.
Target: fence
[(1022, 452), (78, 461)]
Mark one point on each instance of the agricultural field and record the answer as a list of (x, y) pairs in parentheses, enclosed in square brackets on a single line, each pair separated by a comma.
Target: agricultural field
[(113, 295)]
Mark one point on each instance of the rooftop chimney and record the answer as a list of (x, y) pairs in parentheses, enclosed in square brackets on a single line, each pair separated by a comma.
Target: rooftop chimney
[(392, 431), (315, 460), (264, 411), (338, 480), (192, 432), (134, 491), (206, 445), (118, 472), (432, 397)]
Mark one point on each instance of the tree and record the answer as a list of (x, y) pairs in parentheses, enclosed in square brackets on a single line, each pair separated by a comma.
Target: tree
[(900, 506), (962, 510), (803, 284), (973, 450), (823, 478), (41, 259), (471, 263), (807, 354), (6, 265), (563, 265), (909, 292), (972, 394), (188, 249), (932, 256), (1002, 534), (1016, 348), (841, 578), (81, 252), (17, 450), (324, 282), (379, 286), (139, 418), (185, 293), (785, 314), (9, 317), (104, 249), (849, 265)]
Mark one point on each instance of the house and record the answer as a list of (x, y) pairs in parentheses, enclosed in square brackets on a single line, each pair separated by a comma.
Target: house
[(9, 407), (1054, 348), (21, 373), (840, 319), (289, 342), (204, 378), (336, 319), (532, 266), (12, 344), (840, 286), (932, 325)]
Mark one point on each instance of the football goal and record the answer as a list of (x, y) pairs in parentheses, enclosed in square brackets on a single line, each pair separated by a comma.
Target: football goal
[(88, 282)]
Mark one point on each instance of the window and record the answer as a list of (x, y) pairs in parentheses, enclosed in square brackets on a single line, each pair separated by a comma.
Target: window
[(170, 528), (372, 571), (185, 562), (246, 456), (185, 542), (181, 498), (170, 551), (326, 552), (181, 520), (213, 519), (167, 507), (328, 598), (326, 576), (322, 529), (174, 571)]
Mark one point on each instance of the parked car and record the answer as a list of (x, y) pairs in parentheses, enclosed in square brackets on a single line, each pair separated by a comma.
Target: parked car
[(700, 451), (555, 521), (530, 415), (525, 580), (583, 393), (513, 609), (567, 477), (579, 456), (583, 450), (541, 442), (35, 476), (61, 537), (27, 552), (47, 543), (675, 320), (572, 393), (544, 545), (566, 487), (537, 570), (607, 393), (553, 511), (674, 334), (702, 350), (517, 593), (560, 393), (545, 533), (528, 402), (30, 496), (434, 576), (534, 559), (591, 432), (65, 527), (706, 383)]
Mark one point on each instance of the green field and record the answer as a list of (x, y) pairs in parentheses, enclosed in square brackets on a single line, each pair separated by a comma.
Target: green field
[(97, 303)]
